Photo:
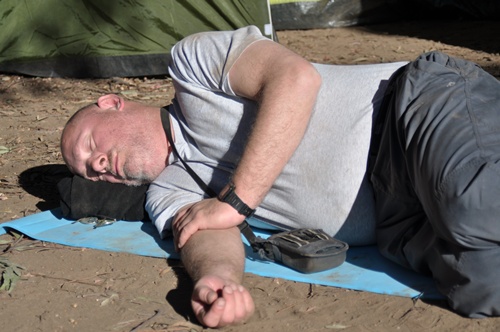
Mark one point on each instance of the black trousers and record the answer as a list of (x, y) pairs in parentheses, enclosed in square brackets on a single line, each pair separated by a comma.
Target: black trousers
[(436, 177)]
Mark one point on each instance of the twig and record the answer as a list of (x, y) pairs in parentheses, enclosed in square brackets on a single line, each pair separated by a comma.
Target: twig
[(66, 279), (13, 244), (285, 308), (144, 323), (9, 86)]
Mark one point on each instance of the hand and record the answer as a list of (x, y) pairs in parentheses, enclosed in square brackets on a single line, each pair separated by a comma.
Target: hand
[(217, 302), (206, 214)]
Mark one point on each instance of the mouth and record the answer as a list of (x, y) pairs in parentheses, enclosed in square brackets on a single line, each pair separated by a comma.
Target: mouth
[(112, 169), (115, 167)]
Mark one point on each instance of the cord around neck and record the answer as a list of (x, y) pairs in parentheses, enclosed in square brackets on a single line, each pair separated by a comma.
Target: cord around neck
[(165, 121)]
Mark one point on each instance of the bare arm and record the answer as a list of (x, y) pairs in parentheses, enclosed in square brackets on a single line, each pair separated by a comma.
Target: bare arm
[(215, 261), (285, 86)]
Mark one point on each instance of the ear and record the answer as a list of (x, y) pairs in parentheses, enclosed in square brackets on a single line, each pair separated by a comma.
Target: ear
[(111, 101)]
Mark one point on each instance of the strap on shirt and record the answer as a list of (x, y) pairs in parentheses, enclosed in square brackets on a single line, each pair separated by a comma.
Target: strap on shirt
[(165, 120), (243, 227)]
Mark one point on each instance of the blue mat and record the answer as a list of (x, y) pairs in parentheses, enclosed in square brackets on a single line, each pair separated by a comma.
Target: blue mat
[(364, 270)]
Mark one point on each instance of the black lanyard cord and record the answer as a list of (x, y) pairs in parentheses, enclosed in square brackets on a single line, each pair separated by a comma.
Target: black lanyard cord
[(165, 120)]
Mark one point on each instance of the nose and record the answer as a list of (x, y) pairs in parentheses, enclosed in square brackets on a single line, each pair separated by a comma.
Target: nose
[(100, 163)]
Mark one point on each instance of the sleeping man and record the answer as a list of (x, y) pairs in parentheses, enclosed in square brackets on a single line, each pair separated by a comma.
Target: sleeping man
[(404, 155)]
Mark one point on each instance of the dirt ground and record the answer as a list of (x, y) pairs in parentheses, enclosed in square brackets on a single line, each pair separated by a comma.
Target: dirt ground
[(73, 289)]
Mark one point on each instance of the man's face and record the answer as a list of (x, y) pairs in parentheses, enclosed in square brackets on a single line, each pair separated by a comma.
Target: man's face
[(114, 145)]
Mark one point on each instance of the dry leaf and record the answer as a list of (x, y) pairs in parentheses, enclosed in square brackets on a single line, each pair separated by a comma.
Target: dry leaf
[(11, 273), (4, 149)]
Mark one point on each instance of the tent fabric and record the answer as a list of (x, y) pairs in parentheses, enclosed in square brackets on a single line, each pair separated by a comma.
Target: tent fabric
[(93, 38), (128, 38)]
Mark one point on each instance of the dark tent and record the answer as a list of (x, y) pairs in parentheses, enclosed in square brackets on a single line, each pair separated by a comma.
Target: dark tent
[(94, 38)]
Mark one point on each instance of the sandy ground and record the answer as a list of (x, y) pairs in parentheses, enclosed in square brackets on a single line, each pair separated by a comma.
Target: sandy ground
[(73, 289)]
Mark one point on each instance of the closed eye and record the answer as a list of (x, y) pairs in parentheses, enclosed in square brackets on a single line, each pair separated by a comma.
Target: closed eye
[(90, 144)]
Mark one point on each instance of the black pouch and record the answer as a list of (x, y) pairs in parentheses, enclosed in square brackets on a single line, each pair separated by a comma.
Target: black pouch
[(303, 249), (308, 250)]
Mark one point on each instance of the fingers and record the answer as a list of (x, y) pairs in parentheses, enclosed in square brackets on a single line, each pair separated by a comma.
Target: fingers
[(239, 304), (206, 214), (205, 295), (234, 307), (247, 301), (185, 227), (207, 306), (211, 315), (186, 232)]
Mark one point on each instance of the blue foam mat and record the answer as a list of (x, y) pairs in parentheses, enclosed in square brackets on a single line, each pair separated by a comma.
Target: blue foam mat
[(364, 270)]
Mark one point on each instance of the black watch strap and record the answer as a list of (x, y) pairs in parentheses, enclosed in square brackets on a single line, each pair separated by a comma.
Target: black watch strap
[(230, 197)]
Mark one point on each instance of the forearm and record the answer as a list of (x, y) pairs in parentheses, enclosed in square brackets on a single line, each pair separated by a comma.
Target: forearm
[(215, 252), (215, 261), (277, 132), (286, 87)]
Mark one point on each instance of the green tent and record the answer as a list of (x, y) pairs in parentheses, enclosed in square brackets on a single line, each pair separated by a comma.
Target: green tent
[(95, 38)]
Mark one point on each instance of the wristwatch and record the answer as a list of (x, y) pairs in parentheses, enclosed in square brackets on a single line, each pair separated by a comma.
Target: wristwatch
[(230, 197)]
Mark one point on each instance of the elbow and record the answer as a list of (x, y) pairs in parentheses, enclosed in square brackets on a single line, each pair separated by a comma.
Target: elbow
[(307, 78), (314, 78)]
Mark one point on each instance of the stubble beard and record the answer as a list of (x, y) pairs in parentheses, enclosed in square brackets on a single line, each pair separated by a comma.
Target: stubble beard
[(140, 164), (137, 172), (136, 178)]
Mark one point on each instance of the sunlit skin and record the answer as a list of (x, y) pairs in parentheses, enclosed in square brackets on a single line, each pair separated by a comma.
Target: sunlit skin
[(117, 141)]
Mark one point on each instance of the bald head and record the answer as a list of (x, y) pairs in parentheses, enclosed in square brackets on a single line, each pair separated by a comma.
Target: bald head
[(115, 140)]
